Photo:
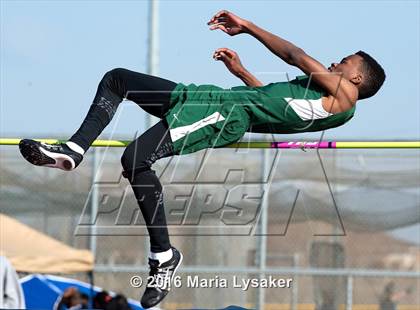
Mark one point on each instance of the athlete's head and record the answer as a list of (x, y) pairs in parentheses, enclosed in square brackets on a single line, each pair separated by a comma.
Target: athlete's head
[(363, 71)]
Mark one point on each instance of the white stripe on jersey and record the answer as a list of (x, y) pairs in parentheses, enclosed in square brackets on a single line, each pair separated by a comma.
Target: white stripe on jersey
[(308, 109), (180, 132)]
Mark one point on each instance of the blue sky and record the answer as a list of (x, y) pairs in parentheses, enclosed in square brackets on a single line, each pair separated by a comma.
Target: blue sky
[(53, 54)]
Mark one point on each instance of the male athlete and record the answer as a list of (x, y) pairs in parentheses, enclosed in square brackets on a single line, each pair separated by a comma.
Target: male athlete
[(206, 116)]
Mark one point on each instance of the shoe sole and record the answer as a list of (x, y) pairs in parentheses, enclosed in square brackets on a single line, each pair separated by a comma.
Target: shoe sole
[(33, 152)]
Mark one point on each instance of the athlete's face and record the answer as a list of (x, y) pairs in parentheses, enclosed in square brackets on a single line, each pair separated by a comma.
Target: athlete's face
[(349, 67)]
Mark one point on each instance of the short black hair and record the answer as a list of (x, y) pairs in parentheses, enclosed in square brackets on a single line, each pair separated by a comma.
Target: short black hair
[(373, 76)]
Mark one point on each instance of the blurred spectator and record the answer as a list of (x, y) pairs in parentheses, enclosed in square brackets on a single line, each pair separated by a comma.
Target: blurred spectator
[(104, 301), (119, 302), (71, 299), (11, 294), (101, 300), (85, 300), (389, 297), (327, 301)]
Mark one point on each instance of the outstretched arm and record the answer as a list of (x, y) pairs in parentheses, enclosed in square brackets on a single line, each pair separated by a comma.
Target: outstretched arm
[(233, 63), (284, 49), (234, 25), (340, 90)]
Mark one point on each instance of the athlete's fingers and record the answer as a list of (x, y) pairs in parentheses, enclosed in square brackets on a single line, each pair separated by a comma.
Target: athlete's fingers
[(221, 56), (230, 53), (222, 13), (217, 55), (226, 59), (219, 19), (219, 26), (226, 55), (212, 19), (217, 15), (221, 49), (223, 28), (214, 26)]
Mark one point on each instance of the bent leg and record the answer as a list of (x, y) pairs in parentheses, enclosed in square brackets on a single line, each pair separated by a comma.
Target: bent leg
[(150, 92), (137, 160)]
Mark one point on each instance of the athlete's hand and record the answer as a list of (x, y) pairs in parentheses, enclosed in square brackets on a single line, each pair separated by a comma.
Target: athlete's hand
[(227, 22), (230, 59)]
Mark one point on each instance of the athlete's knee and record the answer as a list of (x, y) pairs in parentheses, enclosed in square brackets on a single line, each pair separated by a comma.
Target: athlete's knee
[(113, 74), (127, 161), (132, 165), (111, 87)]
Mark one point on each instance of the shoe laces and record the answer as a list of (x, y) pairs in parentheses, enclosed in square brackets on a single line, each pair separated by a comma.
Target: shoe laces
[(161, 276)]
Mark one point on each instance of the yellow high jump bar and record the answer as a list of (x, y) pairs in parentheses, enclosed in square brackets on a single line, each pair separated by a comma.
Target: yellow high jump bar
[(263, 145)]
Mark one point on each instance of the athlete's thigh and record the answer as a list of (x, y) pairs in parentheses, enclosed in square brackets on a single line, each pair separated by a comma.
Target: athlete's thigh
[(150, 92)]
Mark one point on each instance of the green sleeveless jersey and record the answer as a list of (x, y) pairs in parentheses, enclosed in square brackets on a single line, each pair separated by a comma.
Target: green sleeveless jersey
[(206, 116), (289, 107)]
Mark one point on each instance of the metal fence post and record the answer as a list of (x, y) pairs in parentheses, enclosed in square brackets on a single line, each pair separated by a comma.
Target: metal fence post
[(349, 295), (153, 50), (94, 201), (295, 285), (262, 248)]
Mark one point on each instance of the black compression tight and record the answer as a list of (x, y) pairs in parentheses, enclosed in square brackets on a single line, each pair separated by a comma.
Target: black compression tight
[(152, 94)]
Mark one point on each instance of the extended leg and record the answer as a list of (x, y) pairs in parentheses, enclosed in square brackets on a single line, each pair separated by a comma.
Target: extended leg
[(149, 92), (137, 160)]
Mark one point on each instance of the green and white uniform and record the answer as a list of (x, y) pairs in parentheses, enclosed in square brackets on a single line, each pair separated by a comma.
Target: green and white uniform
[(207, 116)]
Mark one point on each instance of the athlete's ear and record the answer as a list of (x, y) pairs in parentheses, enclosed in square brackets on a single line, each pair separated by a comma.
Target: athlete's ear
[(357, 78)]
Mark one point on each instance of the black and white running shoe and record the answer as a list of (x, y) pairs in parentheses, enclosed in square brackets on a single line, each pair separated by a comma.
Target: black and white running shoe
[(160, 279), (50, 155)]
